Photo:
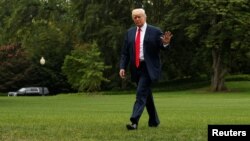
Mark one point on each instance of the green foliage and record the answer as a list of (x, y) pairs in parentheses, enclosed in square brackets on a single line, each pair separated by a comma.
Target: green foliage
[(84, 68), (12, 57), (51, 28), (219, 26), (239, 77), (16, 18), (212, 22), (41, 29), (105, 22)]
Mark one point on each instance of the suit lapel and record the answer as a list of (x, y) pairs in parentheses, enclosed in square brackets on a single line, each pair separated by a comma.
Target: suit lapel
[(133, 34), (146, 36), (132, 38)]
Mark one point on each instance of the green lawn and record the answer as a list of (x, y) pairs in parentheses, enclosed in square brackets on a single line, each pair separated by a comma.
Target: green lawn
[(184, 116)]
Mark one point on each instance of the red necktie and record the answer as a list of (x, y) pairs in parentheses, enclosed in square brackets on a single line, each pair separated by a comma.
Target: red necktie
[(137, 47)]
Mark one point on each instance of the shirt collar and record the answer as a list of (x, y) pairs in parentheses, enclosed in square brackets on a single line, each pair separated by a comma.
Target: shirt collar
[(143, 28)]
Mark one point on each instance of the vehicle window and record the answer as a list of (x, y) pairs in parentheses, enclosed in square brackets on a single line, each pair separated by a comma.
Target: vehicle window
[(21, 90), (34, 89)]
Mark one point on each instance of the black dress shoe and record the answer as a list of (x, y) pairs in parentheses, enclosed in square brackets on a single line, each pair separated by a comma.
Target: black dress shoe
[(131, 126)]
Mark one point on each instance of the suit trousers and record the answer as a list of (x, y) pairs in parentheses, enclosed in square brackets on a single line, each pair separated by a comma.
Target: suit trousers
[(144, 97)]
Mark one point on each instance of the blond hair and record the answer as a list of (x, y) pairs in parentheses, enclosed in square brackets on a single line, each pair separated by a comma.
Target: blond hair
[(138, 11)]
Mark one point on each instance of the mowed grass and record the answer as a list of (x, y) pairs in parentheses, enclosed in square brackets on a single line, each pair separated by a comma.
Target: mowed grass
[(184, 116)]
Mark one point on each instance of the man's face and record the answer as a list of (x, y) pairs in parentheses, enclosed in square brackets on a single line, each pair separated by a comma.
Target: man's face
[(139, 19)]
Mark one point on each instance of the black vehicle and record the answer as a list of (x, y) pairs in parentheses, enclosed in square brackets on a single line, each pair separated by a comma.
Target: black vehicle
[(30, 91)]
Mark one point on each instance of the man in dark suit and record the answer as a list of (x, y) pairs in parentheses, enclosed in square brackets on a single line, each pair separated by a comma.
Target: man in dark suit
[(141, 49)]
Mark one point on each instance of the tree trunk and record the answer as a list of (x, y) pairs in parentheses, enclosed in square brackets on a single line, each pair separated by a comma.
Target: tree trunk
[(218, 76)]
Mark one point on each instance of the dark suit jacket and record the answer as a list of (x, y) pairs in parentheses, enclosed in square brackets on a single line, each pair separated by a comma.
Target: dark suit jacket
[(152, 45)]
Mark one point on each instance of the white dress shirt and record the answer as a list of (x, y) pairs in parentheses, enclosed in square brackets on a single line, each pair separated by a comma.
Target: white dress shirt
[(143, 31)]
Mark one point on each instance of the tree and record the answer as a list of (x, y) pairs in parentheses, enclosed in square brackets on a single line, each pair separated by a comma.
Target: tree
[(41, 28), (104, 22), (206, 33), (10, 76), (84, 68), (220, 26)]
